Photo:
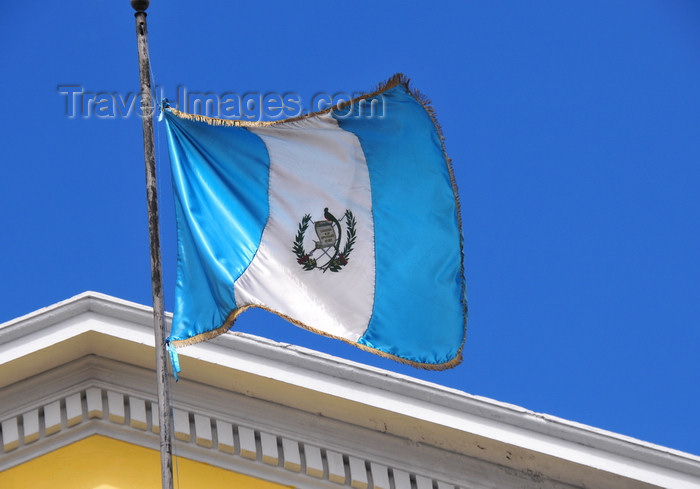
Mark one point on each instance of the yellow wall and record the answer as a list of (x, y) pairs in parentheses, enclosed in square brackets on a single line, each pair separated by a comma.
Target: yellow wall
[(98, 462)]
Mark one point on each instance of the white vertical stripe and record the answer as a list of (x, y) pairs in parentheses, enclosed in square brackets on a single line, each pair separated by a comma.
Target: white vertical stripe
[(311, 169)]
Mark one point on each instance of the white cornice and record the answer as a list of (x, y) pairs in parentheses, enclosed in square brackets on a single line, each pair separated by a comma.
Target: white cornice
[(107, 392), (369, 399)]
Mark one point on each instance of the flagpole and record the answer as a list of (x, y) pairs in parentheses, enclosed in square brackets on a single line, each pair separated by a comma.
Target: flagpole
[(147, 109)]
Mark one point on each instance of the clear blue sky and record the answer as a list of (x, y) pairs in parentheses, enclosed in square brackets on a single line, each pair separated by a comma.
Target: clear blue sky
[(575, 133)]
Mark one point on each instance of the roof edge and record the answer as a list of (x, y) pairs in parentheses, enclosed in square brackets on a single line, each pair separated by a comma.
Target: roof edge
[(357, 373)]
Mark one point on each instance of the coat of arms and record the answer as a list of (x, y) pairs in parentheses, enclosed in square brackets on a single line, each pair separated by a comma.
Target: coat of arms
[(326, 253)]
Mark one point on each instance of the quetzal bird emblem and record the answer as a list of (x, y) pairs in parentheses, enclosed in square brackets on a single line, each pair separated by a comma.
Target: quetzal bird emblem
[(326, 253)]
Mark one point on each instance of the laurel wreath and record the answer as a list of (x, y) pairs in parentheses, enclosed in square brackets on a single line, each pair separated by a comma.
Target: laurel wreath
[(339, 260)]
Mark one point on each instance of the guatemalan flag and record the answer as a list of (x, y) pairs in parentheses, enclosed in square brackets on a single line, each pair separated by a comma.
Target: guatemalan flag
[(344, 222)]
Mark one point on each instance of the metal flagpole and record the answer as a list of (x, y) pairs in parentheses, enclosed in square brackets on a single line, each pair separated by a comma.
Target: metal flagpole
[(147, 109)]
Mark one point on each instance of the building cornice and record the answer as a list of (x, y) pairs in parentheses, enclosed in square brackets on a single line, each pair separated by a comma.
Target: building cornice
[(320, 389)]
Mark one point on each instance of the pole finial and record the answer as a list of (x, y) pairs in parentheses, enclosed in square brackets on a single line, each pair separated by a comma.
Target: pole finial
[(140, 5)]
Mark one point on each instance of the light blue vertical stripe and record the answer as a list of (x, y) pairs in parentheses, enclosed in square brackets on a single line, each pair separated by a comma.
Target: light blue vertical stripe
[(418, 312), (220, 180)]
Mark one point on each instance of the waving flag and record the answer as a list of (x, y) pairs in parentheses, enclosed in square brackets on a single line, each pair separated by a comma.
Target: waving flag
[(343, 222)]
